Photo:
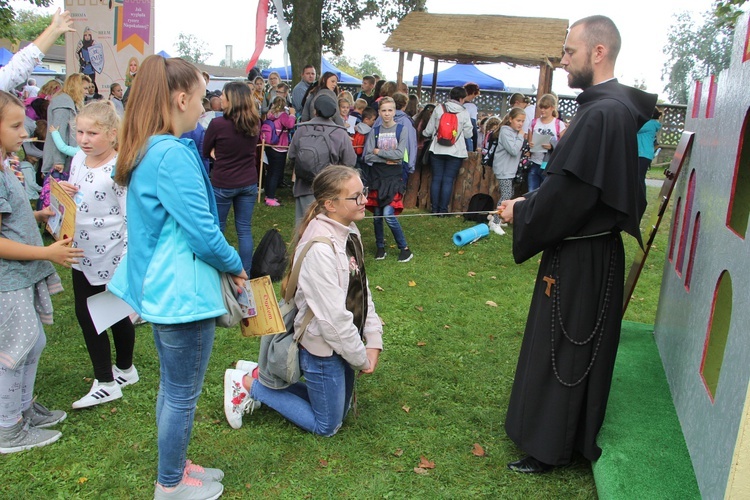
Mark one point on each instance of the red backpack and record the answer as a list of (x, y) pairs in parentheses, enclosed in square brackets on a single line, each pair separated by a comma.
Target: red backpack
[(447, 131)]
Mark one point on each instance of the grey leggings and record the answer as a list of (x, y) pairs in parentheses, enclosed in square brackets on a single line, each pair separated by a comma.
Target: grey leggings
[(17, 386)]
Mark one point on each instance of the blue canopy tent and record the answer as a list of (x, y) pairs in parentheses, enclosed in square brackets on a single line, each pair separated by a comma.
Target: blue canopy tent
[(458, 75), (286, 72), (163, 54), (5, 56)]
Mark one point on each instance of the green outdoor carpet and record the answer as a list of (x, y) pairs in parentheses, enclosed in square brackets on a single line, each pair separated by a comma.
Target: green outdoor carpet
[(644, 453)]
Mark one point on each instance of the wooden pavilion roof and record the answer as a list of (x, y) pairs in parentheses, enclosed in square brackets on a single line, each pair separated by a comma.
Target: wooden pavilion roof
[(465, 38)]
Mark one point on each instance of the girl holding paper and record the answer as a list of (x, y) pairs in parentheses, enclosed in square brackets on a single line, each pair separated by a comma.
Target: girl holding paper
[(101, 231), (546, 125)]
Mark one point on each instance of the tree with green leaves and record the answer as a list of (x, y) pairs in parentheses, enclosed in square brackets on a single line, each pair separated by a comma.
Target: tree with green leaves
[(28, 25), (191, 48), (316, 25), (8, 18), (697, 51)]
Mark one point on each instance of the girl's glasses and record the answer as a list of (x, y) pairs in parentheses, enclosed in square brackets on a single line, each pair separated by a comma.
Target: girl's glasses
[(361, 198)]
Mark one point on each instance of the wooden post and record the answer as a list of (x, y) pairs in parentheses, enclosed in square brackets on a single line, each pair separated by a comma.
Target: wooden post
[(545, 80), (433, 92), (400, 72), (260, 172), (419, 78)]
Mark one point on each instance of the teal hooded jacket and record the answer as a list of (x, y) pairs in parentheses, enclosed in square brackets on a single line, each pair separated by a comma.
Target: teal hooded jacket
[(170, 273)]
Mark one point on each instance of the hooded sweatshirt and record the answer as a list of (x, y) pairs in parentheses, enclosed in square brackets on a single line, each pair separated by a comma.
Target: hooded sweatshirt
[(465, 130)]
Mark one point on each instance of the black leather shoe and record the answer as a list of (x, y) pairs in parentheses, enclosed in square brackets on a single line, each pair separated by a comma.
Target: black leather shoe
[(530, 465)]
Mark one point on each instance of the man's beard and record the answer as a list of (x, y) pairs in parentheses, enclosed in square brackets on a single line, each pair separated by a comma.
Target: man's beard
[(582, 79)]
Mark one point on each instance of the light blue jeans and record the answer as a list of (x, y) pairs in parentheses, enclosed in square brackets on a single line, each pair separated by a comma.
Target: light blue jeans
[(393, 224), (184, 350), (243, 200), (320, 404)]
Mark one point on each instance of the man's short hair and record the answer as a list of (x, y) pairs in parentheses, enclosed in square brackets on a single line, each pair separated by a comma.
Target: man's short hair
[(369, 79), (600, 30), (282, 86), (458, 93), (471, 88), (401, 100), (308, 67), (31, 82)]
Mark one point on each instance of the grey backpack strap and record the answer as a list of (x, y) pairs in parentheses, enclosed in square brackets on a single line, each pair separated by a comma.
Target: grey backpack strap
[(291, 286)]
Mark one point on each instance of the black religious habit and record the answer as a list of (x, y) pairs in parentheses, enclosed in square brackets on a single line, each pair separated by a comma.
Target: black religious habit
[(575, 218)]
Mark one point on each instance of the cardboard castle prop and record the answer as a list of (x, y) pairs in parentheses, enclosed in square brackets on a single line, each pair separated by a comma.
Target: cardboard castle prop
[(703, 321)]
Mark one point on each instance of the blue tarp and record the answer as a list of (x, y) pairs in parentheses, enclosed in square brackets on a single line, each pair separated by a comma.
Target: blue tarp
[(5, 56), (458, 75), (286, 72), (163, 54)]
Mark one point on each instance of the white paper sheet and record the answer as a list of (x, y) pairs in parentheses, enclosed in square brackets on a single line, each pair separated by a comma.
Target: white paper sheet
[(106, 309), (539, 140)]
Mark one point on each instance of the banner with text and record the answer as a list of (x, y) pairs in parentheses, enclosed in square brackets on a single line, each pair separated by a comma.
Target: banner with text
[(111, 39)]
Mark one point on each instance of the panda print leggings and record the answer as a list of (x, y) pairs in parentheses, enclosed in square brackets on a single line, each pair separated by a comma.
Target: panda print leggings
[(98, 346)]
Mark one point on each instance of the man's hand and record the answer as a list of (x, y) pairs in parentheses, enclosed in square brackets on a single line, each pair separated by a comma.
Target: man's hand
[(506, 209)]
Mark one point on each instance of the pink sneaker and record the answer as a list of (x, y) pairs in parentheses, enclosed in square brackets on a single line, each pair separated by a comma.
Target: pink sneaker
[(272, 202)]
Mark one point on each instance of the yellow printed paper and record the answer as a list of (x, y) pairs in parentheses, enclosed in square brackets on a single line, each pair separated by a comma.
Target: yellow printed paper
[(268, 319), (63, 223)]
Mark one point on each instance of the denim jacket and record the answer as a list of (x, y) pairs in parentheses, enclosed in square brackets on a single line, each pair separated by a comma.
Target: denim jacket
[(170, 273)]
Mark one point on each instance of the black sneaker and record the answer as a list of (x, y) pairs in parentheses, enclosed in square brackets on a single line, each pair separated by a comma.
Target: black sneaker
[(380, 254), (405, 255)]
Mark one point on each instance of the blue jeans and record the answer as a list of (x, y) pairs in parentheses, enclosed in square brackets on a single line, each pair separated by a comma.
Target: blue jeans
[(444, 171), (243, 200), (320, 404), (536, 176), (398, 233), (276, 164), (183, 351)]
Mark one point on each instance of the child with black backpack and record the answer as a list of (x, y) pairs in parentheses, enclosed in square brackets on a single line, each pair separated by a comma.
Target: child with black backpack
[(384, 152)]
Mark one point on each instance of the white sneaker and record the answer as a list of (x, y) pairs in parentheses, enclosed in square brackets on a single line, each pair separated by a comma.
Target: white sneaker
[(496, 228), (237, 401), (246, 366), (99, 393), (127, 377)]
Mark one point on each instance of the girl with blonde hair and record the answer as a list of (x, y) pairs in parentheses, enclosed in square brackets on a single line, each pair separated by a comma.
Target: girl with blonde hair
[(345, 332)]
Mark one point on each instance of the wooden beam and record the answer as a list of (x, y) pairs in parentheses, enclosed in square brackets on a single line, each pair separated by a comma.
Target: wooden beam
[(419, 78), (433, 92), (545, 81), (400, 72)]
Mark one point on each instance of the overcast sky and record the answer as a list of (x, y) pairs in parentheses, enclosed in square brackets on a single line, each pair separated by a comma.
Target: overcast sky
[(643, 24)]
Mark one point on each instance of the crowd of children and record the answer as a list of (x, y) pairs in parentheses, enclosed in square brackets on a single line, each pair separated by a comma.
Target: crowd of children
[(100, 163)]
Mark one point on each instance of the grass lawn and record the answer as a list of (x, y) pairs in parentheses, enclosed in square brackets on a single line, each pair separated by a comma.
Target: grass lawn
[(441, 387)]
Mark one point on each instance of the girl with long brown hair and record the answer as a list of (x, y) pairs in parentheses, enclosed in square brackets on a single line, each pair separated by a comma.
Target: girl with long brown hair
[(231, 141), (170, 274)]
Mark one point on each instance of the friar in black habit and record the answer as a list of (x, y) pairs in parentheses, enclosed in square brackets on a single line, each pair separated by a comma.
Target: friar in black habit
[(590, 196)]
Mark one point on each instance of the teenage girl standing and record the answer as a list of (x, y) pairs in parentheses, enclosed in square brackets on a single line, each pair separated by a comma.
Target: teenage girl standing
[(170, 274)]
